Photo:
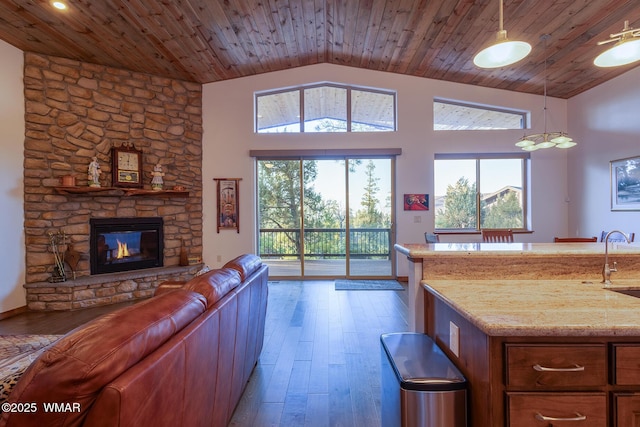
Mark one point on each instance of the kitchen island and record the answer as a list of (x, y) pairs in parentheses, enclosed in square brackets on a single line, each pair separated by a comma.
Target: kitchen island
[(517, 261), (541, 352), (540, 340)]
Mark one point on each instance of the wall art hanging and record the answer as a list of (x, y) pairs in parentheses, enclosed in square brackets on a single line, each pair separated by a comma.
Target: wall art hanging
[(228, 204)]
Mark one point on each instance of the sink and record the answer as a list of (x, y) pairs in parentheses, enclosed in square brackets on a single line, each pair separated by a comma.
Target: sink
[(631, 292)]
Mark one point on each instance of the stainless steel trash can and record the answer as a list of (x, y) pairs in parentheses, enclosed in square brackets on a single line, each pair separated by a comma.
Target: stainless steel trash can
[(421, 387)]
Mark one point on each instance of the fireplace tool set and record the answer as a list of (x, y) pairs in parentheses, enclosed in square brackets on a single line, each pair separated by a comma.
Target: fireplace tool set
[(58, 242)]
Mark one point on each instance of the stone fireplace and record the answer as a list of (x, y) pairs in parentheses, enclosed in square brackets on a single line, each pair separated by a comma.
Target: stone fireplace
[(125, 244), (75, 111)]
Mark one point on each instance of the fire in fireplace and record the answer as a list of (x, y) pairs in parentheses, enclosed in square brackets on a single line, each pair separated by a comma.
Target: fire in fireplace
[(124, 244)]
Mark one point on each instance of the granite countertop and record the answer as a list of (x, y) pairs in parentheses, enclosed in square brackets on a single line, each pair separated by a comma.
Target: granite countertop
[(543, 307), (419, 250)]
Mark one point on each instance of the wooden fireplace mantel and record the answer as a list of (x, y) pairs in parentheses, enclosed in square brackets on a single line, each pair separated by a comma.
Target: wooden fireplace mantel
[(117, 191)]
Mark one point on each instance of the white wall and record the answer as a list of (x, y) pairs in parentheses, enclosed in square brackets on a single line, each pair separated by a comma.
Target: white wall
[(606, 122), (228, 137), (12, 252)]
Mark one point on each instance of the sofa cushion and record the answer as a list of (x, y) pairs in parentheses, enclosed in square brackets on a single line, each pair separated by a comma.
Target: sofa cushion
[(79, 365), (245, 265), (215, 284)]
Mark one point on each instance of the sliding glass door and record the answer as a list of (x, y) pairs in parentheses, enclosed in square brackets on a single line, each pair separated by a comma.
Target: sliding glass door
[(280, 215), (326, 217), (370, 224)]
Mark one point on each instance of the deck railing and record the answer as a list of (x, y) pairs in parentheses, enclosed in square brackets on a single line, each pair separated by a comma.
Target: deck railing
[(325, 243)]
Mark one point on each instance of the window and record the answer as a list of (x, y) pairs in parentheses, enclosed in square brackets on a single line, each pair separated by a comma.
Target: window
[(325, 108), (372, 111), (457, 115), (473, 191), (278, 112)]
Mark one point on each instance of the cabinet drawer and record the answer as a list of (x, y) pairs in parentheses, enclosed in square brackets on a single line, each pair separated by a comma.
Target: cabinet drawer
[(547, 409), (627, 358), (544, 367), (627, 409)]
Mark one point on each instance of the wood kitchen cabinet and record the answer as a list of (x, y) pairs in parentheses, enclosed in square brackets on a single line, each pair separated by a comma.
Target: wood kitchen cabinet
[(626, 406), (540, 381), (627, 364), (543, 367), (550, 409), (627, 409)]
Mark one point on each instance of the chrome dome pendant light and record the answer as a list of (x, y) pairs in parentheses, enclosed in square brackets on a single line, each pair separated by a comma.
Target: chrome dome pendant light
[(625, 51), (503, 52), (546, 139)]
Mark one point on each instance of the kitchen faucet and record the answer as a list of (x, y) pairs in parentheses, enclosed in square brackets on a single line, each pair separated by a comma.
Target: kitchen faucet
[(606, 270)]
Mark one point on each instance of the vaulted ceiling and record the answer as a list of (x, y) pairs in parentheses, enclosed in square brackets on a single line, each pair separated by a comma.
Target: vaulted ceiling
[(213, 40)]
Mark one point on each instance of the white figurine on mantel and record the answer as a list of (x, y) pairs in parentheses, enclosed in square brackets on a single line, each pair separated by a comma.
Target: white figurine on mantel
[(157, 181), (93, 174)]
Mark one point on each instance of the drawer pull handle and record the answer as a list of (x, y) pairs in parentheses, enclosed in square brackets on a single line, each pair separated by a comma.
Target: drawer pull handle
[(578, 417), (575, 368)]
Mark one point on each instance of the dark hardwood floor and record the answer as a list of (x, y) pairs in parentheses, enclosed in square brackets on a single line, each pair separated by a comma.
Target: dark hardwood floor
[(59, 322), (320, 365)]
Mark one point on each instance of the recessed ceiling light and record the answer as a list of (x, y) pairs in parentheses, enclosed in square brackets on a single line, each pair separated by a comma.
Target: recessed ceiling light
[(59, 5)]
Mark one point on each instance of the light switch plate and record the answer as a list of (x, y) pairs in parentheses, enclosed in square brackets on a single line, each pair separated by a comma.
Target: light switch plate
[(454, 338)]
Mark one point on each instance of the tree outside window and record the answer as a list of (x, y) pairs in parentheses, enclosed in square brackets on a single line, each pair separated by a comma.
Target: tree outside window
[(472, 192), (287, 194)]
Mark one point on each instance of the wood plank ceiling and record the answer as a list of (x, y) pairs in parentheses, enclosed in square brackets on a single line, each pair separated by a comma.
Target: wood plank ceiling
[(213, 40)]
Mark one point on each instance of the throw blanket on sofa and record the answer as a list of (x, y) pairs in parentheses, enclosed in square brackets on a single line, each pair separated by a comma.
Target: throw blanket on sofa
[(17, 352)]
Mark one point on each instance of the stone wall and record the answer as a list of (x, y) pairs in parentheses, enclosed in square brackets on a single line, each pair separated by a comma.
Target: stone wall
[(92, 291), (76, 110)]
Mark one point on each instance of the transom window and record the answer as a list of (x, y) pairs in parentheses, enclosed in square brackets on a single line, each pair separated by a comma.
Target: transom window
[(458, 115), (474, 191), (325, 108)]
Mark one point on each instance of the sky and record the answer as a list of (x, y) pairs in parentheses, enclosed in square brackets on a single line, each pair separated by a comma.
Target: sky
[(330, 181)]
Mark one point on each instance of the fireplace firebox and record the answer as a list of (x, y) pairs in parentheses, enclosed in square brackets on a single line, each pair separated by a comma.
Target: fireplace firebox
[(124, 244)]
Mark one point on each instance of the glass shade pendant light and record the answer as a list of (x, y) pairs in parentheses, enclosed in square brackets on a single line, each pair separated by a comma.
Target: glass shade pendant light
[(625, 51), (503, 52), (546, 139)]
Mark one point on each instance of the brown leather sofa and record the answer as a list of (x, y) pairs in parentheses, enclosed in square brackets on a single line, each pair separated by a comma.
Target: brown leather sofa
[(181, 358)]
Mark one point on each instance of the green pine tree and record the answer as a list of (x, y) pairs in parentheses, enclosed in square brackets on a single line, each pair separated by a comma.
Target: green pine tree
[(506, 212), (459, 206)]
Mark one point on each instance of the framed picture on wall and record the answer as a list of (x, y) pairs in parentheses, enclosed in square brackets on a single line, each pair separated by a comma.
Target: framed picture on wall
[(228, 208), (625, 184), (416, 202)]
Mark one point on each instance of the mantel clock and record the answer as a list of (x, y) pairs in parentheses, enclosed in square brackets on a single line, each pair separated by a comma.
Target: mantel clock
[(126, 166)]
